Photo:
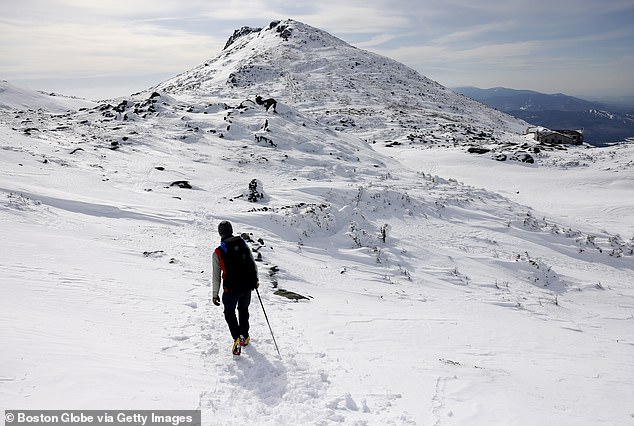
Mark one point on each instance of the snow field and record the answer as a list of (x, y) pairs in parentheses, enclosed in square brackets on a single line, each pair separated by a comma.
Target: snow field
[(429, 300)]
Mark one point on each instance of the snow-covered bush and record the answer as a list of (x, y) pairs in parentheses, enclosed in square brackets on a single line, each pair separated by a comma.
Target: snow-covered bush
[(256, 191)]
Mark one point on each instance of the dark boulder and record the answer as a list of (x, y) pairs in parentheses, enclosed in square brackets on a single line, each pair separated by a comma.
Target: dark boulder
[(181, 184), (524, 157), (477, 150), (267, 103)]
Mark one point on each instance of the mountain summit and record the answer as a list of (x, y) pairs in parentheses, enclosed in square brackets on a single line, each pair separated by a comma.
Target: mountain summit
[(346, 88)]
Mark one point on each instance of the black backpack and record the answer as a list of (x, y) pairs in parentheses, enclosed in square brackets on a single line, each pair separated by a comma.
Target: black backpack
[(239, 272)]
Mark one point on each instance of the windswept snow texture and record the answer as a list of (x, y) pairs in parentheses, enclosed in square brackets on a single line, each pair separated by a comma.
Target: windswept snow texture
[(406, 281)]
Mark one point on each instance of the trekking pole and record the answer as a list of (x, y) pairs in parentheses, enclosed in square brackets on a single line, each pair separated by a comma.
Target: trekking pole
[(267, 321)]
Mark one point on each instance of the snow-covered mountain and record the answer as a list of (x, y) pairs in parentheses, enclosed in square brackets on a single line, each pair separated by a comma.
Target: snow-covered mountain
[(407, 281), (350, 89)]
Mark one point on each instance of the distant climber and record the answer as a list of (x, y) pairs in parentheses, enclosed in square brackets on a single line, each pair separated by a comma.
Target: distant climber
[(268, 103), (233, 263)]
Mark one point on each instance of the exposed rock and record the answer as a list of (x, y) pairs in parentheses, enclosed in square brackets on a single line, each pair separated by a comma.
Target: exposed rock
[(155, 253), (240, 33), (477, 150), (524, 157), (181, 184), (290, 295), (265, 139), (122, 106), (284, 31), (267, 103)]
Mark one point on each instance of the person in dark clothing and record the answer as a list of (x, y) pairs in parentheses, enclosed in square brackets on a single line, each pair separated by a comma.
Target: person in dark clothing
[(233, 263)]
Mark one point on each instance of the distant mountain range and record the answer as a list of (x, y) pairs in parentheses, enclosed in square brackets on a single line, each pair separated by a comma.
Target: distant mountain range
[(601, 123)]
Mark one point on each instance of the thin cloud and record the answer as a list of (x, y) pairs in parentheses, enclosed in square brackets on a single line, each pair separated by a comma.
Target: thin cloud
[(476, 32), (355, 19), (478, 40), (78, 48), (501, 54), (375, 41)]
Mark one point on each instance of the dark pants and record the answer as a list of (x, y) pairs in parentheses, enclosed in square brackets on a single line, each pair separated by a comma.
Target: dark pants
[(237, 326)]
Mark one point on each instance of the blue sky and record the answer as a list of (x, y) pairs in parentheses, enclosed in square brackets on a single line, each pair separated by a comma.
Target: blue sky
[(103, 49)]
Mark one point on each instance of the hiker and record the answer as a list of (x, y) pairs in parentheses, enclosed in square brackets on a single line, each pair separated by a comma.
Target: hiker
[(233, 261)]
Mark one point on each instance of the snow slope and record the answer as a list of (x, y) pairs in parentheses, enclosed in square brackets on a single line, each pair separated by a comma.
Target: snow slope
[(427, 300), (12, 98), (588, 188)]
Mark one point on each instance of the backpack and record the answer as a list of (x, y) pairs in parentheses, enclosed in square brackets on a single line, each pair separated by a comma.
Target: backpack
[(238, 268)]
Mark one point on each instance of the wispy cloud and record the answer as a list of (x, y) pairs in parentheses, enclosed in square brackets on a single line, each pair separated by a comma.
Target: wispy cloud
[(472, 40), (77, 48), (367, 17), (475, 33)]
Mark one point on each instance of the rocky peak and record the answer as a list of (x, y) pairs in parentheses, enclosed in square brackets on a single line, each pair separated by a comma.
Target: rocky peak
[(282, 29), (240, 33)]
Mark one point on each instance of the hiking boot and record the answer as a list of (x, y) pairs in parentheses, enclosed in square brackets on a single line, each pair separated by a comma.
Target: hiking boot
[(237, 347), (244, 341)]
